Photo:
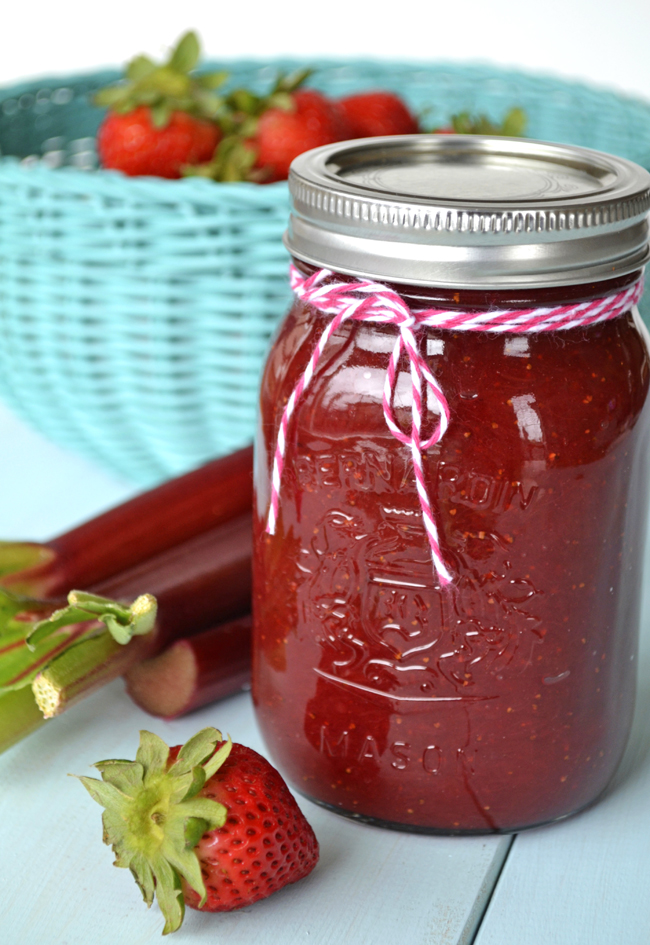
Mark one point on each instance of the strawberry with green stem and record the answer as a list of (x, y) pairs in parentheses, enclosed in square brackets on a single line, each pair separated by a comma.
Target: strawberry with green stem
[(161, 117), (209, 824), (235, 157), (263, 134)]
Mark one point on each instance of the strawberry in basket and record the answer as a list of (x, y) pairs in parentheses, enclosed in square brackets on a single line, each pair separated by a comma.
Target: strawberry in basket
[(264, 133), (312, 120), (160, 118), (369, 114)]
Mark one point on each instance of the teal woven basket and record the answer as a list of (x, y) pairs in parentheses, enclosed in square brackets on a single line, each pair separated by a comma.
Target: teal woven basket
[(135, 313)]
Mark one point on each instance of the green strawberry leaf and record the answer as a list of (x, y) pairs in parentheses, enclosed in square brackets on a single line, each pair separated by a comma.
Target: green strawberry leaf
[(195, 827), (210, 104), (197, 750), (213, 80), (292, 82), (283, 100), (152, 754), (514, 124), (166, 88), (243, 101), (185, 56), (126, 776), (143, 875), (198, 780), (169, 894), (168, 84), (234, 160), (139, 68), (111, 97), (101, 791), (213, 764)]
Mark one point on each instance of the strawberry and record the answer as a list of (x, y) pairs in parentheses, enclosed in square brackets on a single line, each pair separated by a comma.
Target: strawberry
[(263, 134), (132, 144), (283, 134), (370, 114), (210, 823), (161, 118)]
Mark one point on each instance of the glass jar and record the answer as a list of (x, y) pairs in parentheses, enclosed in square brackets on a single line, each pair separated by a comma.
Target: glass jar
[(502, 699)]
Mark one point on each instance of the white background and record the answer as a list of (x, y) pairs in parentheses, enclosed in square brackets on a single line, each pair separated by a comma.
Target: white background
[(601, 41)]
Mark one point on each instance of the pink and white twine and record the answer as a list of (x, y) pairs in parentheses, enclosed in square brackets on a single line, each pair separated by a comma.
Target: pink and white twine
[(373, 302)]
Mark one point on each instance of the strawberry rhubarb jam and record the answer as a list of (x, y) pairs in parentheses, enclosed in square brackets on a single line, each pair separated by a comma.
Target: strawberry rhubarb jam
[(493, 690)]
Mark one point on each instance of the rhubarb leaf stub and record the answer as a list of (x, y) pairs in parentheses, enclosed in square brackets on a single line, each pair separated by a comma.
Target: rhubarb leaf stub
[(153, 818), (123, 622)]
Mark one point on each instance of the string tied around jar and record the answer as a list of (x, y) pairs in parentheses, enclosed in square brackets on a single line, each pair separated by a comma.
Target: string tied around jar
[(373, 302)]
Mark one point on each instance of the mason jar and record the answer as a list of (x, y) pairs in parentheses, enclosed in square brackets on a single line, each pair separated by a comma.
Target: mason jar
[(463, 374)]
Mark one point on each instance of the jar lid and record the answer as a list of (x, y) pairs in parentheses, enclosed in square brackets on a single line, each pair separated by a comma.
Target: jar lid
[(466, 211)]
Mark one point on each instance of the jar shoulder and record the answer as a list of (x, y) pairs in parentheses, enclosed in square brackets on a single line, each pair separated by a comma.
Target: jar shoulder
[(579, 387)]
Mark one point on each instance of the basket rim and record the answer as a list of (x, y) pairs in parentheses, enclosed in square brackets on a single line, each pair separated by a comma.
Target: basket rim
[(115, 184), (27, 84)]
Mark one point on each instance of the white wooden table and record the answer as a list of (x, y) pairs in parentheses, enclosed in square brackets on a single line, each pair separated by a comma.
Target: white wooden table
[(583, 881)]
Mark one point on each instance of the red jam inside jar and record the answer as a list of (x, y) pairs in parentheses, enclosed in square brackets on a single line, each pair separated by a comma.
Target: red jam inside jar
[(503, 700)]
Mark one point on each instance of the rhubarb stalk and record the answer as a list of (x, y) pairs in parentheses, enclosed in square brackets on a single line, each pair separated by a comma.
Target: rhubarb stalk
[(82, 669), (193, 672), (141, 528), (196, 584), (19, 716), (187, 542), (28, 644), (64, 631)]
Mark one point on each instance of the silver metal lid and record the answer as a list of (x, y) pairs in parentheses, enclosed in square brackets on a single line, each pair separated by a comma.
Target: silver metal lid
[(465, 211)]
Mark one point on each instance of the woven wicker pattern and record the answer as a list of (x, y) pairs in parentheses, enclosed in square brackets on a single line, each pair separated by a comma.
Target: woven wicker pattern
[(135, 313)]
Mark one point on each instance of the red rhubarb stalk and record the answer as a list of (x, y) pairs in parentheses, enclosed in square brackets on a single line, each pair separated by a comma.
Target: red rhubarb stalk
[(193, 672), (198, 583), (129, 534), (204, 581)]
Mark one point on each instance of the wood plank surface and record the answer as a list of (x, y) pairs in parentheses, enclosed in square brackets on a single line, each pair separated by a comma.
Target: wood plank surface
[(371, 887)]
